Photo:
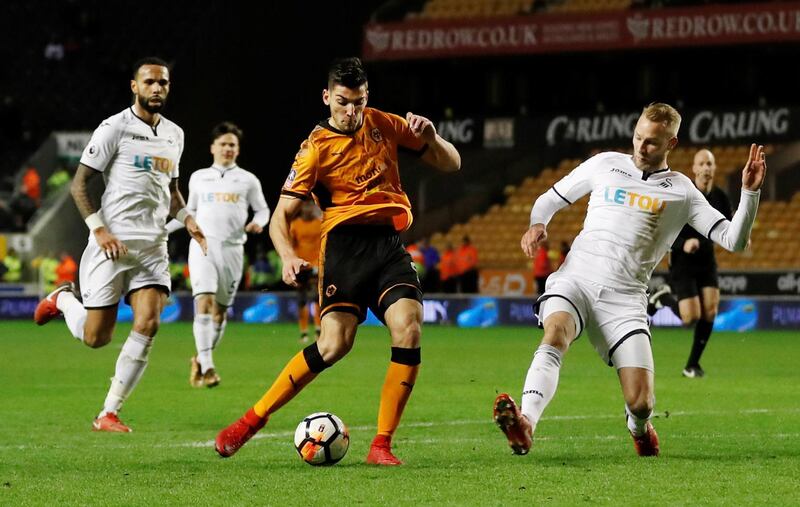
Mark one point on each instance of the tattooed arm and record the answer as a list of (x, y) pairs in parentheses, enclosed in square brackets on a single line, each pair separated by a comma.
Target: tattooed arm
[(112, 247)]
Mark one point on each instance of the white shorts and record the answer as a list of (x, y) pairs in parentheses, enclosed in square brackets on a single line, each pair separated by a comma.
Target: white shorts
[(103, 281), (615, 321), (217, 273)]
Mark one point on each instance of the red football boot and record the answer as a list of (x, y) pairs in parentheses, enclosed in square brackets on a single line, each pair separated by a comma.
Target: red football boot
[(514, 425), (647, 443), (380, 452), (47, 310), (232, 438), (111, 423)]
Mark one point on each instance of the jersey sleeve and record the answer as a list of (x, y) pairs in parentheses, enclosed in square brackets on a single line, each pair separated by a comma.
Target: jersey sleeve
[(702, 216), (176, 172), (578, 182), (255, 196), (303, 175), (102, 147), (403, 135), (191, 201)]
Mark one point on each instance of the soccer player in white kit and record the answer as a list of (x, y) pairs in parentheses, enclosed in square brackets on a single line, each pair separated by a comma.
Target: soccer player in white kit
[(219, 196), (138, 152), (637, 207)]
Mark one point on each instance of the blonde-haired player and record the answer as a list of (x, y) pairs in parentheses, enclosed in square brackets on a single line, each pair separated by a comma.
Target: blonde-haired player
[(636, 210)]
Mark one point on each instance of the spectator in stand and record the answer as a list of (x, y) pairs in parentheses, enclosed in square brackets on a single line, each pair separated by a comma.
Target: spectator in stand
[(45, 265), (57, 180), (12, 266), (66, 270), (448, 270), (467, 262), (542, 268), (431, 259), (32, 185)]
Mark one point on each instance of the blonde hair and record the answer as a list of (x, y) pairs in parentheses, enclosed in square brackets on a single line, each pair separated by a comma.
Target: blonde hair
[(663, 113)]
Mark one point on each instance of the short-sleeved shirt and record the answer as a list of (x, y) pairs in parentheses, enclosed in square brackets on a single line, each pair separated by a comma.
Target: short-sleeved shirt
[(632, 220), (221, 198), (355, 176), (306, 239), (138, 162)]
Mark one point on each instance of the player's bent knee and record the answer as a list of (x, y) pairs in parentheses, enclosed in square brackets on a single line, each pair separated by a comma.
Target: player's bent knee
[(407, 333), (333, 350), (641, 405), (146, 326), (96, 339)]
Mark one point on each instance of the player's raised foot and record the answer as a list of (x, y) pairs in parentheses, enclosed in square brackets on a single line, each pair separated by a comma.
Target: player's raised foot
[(211, 378), (516, 427), (654, 302), (380, 452), (110, 422), (232, 438), (646, 444), (47, 310), (195, 377), (693, 371)]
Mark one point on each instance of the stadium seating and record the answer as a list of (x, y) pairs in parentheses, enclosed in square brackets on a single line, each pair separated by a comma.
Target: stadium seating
[(497, 232)]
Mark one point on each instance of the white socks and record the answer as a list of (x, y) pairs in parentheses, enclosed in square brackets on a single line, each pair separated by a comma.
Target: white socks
[(219, 330), (541, 382), (204, 334), (74, 313), (635, 424), (131, 364)]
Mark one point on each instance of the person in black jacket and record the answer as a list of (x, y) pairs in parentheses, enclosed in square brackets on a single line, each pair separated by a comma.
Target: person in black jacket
[(693, 270)]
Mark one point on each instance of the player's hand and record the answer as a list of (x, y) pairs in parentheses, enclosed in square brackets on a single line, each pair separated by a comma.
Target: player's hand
[(112, 247), (292, 268), (421, 127), (755, 169), (532, 239), (691, 245), (196, 233), (253, 228)]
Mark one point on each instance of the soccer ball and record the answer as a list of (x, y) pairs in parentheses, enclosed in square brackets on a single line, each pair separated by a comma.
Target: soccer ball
[(321, 439)]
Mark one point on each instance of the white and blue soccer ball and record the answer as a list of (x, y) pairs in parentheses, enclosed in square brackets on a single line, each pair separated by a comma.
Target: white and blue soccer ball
[(321, 439)]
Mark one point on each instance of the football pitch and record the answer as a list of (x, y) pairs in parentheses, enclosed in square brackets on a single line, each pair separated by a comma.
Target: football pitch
[(732, 437)]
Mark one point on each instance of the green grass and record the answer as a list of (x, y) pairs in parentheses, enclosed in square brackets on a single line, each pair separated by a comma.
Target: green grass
[(729, 438)]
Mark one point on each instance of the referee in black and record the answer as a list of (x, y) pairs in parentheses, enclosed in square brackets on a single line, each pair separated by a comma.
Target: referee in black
[(693, 269)]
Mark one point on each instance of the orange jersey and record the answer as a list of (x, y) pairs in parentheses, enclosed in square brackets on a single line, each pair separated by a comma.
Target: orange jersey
[(306, 239), (355, 177)]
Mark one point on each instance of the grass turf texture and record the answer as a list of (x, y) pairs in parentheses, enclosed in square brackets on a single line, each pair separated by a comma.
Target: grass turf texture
[(729, 438)]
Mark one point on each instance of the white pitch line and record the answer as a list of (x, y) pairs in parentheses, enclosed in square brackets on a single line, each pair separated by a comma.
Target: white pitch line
[(488, 421)]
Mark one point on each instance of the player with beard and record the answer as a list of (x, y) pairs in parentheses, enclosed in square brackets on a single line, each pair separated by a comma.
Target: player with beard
[(637, 208), (137, 151), (349, 164)]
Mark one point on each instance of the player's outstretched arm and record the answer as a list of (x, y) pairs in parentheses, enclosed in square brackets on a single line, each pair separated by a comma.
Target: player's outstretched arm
[(441, 153), (288, 207), (177, 209), (112, 247), (734, 235)]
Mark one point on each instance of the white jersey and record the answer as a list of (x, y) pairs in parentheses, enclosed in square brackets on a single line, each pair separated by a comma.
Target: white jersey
[(137, 161), (219, 199), (632, 220)]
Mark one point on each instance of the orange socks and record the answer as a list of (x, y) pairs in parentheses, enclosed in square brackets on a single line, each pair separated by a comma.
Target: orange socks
[(302, 318), (298, 373), (397, 388)]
